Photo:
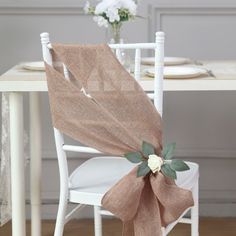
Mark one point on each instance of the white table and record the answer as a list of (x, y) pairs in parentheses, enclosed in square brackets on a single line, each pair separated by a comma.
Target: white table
[(17, 81)]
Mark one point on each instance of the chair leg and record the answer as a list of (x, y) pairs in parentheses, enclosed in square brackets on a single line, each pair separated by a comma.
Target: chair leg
[(97, 221), (195, 211), (61, 216)]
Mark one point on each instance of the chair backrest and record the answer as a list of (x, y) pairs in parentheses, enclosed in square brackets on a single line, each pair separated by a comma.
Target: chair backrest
[(158, 47), (156, 94)]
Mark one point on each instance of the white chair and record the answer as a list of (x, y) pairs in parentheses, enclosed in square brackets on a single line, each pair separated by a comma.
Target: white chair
[(88, 189)]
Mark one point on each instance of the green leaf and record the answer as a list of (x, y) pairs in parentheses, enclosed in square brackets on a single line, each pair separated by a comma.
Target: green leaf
[(179, 165), (168, 151), (167, 171), (147, 149), (134, 157), (143, 169)]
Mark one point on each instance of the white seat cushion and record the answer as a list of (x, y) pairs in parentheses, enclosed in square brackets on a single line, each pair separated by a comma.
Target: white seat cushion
[(186, 179), (90, 181)]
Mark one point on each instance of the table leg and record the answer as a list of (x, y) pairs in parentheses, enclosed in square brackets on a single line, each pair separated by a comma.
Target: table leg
[(17, 164), (36, 163)]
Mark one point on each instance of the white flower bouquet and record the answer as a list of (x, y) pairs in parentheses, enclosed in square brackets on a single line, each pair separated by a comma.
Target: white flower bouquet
[(113, 13)]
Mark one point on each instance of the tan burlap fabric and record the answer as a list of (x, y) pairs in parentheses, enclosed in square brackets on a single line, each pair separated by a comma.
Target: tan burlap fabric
[(102, 106)]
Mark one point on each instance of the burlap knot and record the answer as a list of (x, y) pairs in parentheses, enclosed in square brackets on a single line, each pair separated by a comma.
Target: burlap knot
[(102, 106), (145, 204)]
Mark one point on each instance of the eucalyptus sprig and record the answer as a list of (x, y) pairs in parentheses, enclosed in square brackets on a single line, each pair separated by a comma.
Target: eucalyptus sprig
[(151, 162)]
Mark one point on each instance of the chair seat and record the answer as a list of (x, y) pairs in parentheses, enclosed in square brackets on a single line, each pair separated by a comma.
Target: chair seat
[(187, 179), (91, 180)]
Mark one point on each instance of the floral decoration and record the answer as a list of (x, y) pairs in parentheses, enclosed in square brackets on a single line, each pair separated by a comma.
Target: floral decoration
[(113, 13), (150, 162)]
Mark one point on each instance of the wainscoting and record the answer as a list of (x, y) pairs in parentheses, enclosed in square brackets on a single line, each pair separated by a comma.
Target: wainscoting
[(203, 124), (198, 30)]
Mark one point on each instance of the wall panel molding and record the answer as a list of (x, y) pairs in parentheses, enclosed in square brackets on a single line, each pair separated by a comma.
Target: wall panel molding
[(42, 10), (157, 13)]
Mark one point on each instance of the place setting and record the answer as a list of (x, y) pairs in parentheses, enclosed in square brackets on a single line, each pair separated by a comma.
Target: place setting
[(33, 66), (176, 68)]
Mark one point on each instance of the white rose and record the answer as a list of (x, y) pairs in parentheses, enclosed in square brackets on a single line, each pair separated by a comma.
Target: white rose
[(155, 162), (130, 5), (113, 14), (101, 21), (104, 5)]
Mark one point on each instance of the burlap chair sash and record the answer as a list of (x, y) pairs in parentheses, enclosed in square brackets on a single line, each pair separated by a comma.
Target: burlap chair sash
[(101, 105)]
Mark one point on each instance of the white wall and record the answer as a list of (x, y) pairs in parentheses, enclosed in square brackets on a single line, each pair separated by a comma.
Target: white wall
[(202, 124)]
